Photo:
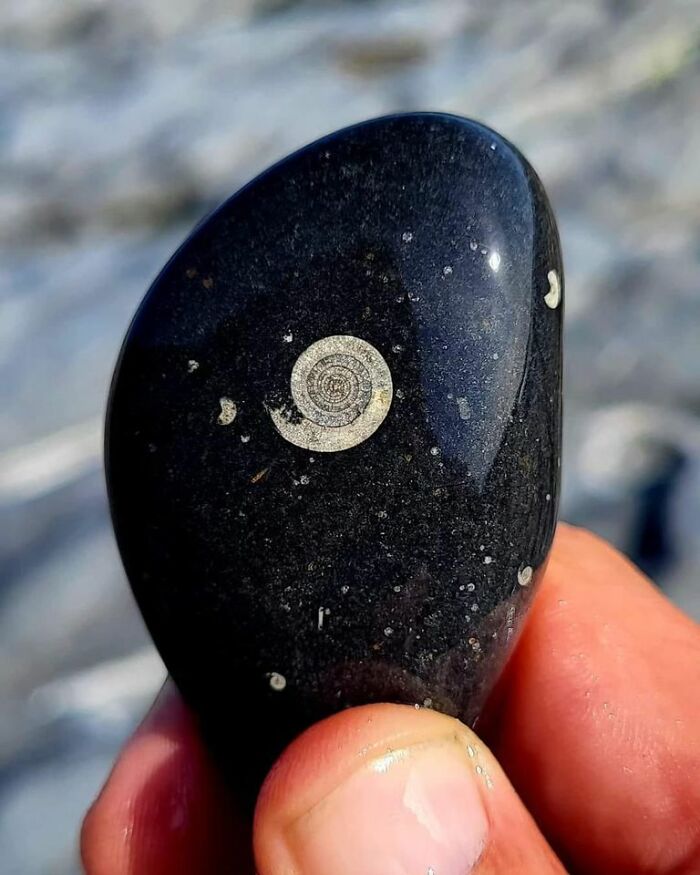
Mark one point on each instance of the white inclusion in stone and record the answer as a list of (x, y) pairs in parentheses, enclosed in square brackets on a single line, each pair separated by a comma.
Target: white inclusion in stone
[(277, 681), (407, 236), (388, 631), (245, 438), (525, 575), (473, 245), (228, 411), (447, 270), (321, 615), (304, 480), (494, 261), (288, 337), (548, 497), (488, 560), (553, 296), (192, 365), (428, 703), (434, 451)]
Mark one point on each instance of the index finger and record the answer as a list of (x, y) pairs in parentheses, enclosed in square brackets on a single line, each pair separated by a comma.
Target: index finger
[(597, 720)]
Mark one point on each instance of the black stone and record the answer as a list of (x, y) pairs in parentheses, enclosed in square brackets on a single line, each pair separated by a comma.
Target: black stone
[(281, 583)]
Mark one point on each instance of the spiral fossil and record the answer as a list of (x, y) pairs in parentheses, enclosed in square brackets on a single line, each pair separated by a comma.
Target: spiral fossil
[(342, 389)]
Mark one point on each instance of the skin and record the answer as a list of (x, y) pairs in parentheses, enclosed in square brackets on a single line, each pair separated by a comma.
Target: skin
[(588, 761)]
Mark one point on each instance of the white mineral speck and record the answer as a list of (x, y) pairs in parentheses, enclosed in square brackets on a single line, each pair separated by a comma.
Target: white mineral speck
[(288, 337), (494, 261), (407, 236), (471, 587), (245, 438), (553, 296), (344, 589), (382, 514), (277, 681), (488, 560), (434, 451), (400, 393), (492, 147), (388, 631), (397, 348), (548, 497), (228, 411), (192, 365), (447, 270), (321, 615), (464, 409), (525, 575), (304, 480), (475, 607), (473, 245), (495, 356), (397, 588), (428, 703)]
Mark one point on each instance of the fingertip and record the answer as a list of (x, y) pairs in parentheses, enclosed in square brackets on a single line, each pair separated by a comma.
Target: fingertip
[(162, 809), (390, 788), (608, 660)]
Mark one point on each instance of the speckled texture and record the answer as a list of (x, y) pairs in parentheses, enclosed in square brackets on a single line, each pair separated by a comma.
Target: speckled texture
[(284, 583)]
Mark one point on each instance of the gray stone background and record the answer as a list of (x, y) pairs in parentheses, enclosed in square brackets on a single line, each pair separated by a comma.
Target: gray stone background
[(123, 122)]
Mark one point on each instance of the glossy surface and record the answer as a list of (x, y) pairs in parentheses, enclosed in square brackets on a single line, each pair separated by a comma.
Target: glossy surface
[(283, 582)]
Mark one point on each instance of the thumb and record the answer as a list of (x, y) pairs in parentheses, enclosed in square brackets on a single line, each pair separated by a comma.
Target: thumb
[(391, 790)]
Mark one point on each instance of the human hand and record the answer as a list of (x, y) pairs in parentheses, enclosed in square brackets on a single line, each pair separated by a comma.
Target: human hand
[(594, 737)]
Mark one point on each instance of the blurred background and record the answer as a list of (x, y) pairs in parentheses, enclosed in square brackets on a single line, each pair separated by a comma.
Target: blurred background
[(123, 122)]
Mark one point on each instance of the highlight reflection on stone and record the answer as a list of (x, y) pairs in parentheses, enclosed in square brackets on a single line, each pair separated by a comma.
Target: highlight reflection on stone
[(350, 495)]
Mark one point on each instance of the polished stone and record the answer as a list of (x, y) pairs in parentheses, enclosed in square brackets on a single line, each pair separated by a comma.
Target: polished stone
[(334, 432)]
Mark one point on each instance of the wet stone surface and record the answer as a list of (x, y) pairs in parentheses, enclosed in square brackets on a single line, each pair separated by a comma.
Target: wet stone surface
[(334, 435)]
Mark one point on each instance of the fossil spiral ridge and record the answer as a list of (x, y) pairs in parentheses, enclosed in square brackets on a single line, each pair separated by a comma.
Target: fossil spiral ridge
[(342, 387)]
